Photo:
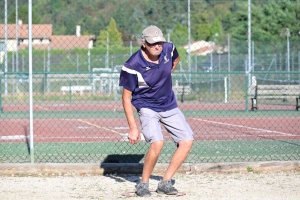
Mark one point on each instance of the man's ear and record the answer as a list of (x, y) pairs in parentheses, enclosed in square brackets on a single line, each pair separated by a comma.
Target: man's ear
[(143, 43)]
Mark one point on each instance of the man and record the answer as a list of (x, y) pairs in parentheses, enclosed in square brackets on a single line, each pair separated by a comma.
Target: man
[(147, 85)]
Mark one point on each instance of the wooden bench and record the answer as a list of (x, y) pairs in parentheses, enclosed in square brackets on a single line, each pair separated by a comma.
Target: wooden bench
[(76, 88), (273, 92)]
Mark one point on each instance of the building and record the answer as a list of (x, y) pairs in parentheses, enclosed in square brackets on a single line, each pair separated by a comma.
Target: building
[(42, 38), (203, 48)]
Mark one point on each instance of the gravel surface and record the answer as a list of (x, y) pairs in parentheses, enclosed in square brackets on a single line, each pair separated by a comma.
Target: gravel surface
[(271, 185)]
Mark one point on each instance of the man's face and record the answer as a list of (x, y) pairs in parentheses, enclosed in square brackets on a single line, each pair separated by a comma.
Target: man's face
[(154, 49)]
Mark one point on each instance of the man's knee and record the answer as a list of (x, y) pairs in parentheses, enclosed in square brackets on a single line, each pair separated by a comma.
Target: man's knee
[(157, 146), (185, 144)]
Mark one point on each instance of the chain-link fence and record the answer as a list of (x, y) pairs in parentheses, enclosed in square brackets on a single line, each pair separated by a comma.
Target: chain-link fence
[(238, 112)]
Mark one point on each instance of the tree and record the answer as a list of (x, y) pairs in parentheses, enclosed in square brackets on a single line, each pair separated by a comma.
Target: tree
[(269, 17), (216, 30), (179, 36), (277, 16), (92, 25), (113, 34), (130, 20), (237, 26), (203, 32), (23, 15)]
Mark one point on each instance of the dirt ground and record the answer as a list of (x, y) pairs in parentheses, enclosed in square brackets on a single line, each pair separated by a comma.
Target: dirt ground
[(249, 185)]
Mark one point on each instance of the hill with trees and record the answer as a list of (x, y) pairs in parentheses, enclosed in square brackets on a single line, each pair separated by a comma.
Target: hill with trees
[(127, 18)]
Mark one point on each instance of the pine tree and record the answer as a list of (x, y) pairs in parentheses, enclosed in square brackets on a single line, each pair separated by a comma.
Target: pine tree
[(111, 34)]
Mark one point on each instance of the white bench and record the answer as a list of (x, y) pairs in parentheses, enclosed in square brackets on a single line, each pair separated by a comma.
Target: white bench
[(181, 89), (76, 88), (273, 92)]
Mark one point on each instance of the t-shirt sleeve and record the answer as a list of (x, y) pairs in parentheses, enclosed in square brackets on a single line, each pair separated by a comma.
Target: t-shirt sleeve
[(175, 53), (128, 78)]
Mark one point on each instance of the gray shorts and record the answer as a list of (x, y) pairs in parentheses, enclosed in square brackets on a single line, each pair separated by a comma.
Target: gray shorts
[(173, 120)]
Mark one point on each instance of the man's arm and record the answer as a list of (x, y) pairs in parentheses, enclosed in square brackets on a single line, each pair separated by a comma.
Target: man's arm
[(176, 61), (134, 134)]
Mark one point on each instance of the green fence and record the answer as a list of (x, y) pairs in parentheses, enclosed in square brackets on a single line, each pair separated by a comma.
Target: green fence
[(77, 114), (78, 118)]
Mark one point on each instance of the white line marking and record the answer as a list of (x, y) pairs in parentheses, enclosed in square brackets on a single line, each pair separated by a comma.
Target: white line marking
[(121, 127), (83, 127), (102, 127), (13, 137), (241, 126), (42, 108)]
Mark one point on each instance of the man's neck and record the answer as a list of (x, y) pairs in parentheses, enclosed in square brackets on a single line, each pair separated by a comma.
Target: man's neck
[(150, 58)]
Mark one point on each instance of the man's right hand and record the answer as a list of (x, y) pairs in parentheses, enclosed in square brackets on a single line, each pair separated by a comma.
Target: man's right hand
[(134, 136)]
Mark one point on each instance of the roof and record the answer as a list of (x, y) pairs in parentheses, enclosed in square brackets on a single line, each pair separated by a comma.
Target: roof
[(203, 48), (38, 31), (44, 31), (70, 41)]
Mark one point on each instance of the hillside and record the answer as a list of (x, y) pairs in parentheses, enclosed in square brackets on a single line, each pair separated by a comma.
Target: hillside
[(269, 18)]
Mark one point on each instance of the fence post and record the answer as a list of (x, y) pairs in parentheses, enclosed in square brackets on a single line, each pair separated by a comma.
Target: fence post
[(70, 90), (226, 89), (1, 109), (247, 88)]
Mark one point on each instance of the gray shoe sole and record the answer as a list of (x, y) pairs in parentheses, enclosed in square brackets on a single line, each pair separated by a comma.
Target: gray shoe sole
[(144, 195), (169, 193)]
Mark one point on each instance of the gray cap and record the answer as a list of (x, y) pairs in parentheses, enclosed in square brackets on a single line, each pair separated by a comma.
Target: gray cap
[(153, 34)]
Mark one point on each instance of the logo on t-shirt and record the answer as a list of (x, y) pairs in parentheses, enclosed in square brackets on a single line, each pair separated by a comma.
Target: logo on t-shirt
[(147, 68), (166, 59)]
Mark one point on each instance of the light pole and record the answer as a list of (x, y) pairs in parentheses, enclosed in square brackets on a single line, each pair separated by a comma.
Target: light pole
[(288, 34), (249, 43), (17, 45), (229, 66), (189, 41), (5, 49), (107, 51)]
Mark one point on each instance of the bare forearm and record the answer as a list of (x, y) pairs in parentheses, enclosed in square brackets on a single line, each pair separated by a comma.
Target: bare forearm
[(128, 109), (133, 135), (176, 61), (129, 113)]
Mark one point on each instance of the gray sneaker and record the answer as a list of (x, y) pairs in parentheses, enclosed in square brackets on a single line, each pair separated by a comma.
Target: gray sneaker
[(142, 189), (166, 187)]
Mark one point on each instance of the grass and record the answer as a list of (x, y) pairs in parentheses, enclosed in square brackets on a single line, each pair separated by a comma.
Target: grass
[(250, 169)]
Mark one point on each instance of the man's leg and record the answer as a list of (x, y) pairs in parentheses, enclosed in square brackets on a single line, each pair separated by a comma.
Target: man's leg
[(151, 159), (178, 158), (165, 186)]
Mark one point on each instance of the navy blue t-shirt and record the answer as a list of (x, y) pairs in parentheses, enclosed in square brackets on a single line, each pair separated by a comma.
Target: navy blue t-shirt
[(150, 83)]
